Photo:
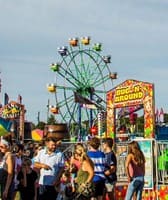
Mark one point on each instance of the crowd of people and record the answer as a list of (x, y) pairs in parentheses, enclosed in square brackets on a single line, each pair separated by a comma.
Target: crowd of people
[(41, 171)]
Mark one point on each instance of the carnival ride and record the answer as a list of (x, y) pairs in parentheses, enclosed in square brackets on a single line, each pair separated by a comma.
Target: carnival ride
[(82, 78)]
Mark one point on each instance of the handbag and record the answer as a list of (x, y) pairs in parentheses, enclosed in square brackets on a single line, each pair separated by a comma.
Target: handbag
[(87, 190)]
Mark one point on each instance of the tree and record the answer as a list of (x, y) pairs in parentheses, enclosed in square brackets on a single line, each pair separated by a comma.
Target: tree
[(41, 125), (139, 123), (51, 120), (166, 117)]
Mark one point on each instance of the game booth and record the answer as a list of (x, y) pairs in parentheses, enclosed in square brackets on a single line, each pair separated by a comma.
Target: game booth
[(127, 99)]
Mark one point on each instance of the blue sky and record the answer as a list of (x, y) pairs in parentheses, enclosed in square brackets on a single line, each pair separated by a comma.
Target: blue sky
[(133, 32)]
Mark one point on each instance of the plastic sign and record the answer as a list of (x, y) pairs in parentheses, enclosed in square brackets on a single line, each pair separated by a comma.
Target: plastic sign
[(11, 110)]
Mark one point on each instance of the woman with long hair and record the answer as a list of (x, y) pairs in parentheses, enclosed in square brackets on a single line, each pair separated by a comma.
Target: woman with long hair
[(7, 187), (135, 170), (85, 174), (75, 160)]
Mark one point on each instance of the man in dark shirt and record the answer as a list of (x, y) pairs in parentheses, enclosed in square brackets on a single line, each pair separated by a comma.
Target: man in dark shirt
[(110, 167)]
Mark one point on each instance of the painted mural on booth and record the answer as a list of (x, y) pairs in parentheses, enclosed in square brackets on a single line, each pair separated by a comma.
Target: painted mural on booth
[(132, 93)]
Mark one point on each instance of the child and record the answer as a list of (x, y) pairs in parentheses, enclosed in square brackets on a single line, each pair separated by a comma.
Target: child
[(27, 181), (65, 187)]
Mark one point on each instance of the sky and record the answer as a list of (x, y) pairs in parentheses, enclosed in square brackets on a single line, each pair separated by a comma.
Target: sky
[(133, 32)]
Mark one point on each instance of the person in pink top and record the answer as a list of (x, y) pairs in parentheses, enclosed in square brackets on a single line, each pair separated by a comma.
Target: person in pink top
[(135, 170), (75, 163)]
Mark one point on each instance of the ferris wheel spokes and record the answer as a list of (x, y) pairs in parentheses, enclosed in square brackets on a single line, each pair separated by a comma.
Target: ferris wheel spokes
[(85, 71), (102, 80)]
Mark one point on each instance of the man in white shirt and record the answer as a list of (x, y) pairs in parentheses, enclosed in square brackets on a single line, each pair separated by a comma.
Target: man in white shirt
[(50, 161)]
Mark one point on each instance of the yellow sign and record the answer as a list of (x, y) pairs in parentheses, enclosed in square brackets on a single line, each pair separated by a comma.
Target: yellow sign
[(128, 94), (132, 93)]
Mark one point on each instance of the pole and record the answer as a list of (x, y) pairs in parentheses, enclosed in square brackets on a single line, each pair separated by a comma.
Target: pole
[(48, 104), (21, 124), (38, 117)]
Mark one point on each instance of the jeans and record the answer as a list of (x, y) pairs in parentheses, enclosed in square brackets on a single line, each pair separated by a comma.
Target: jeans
[(136, 185)]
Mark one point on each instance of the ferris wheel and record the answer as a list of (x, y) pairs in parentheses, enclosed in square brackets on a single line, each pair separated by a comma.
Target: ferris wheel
[(82, 77)]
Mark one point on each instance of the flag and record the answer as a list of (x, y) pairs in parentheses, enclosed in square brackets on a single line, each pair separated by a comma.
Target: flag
[(157, 116), (5, 126), (161, 116), (87, 103), (6, 99), (19, 99)]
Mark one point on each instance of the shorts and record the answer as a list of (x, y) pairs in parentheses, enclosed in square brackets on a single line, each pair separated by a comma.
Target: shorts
[(99, 188), (110, 186)]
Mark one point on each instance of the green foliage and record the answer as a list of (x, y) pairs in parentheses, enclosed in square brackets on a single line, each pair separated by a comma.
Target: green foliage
[(51, 120), (166, 117), (139, 123), (33, 126), (40, 125)]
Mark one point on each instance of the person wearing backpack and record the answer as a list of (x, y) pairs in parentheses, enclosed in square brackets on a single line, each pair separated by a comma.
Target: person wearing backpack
[(110, 168)]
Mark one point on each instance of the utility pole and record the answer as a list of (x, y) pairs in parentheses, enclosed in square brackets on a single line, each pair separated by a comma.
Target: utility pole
[(38, 117), (48, 105), (21, 123)]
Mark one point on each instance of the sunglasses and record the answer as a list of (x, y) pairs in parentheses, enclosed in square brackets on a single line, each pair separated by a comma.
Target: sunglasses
[(2, 147)]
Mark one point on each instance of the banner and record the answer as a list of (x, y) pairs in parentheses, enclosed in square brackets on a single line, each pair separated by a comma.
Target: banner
[(5, 126)]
